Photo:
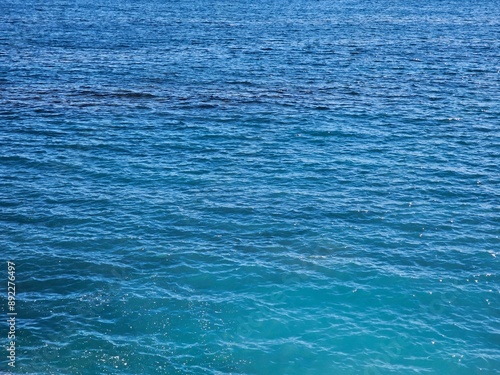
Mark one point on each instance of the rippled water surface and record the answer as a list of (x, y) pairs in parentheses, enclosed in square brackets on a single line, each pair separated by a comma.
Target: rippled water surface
[(267, 187)]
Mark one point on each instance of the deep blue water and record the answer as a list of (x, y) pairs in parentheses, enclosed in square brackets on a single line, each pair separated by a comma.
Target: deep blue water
[(267, 187)]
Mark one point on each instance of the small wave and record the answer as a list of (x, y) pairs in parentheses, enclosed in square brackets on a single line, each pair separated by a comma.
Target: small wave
[(118, 94)]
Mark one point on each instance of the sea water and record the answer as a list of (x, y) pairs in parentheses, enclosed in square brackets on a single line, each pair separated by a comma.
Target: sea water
[(251, 187)]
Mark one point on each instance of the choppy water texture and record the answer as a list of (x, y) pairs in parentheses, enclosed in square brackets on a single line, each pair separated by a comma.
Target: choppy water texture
[(267, 187)]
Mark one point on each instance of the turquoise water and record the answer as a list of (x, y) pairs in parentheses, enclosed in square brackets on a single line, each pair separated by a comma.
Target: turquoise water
[(224, 187)]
